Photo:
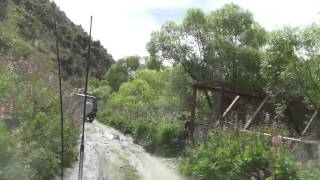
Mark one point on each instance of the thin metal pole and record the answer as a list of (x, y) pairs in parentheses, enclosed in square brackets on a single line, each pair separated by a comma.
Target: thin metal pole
[(84, 108), (60, 89)]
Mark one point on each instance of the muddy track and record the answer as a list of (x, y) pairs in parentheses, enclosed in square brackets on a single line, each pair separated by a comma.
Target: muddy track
[(110, 155)]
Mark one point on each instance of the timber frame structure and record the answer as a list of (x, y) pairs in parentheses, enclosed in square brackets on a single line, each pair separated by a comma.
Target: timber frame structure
[(238, 93)]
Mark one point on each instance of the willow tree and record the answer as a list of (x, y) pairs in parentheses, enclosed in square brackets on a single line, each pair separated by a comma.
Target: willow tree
[(222, 45), (122, 71), (291, 64), (311, 49)]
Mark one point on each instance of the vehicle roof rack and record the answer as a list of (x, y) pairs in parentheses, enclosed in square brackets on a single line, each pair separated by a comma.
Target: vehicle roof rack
[(88, 95)]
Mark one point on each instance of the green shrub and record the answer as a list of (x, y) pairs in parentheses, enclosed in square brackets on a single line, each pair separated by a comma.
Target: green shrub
[(13, 45), (41, 140), (7, 146), (168, 138), (142, 132), (285, 168), (122, 124), (229, 155), (161, 137), (44, 163), (310, 173)]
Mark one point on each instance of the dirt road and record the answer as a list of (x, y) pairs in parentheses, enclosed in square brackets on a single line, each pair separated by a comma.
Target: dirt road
[(110, 155)]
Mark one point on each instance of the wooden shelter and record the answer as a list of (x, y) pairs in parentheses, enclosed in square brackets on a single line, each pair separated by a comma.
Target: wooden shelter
[(237, 93)]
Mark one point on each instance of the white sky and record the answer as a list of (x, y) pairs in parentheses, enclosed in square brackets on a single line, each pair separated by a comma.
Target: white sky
[(124, 26)]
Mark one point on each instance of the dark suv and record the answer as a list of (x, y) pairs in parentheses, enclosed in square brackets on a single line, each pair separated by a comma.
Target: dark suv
[(91, 107)]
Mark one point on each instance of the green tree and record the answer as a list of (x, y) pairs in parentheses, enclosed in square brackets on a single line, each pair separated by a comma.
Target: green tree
[(290, 64), (223, 45), (178, 87), (135, 96), (280, 62), (101, 89), (123, 70), (311, 58), (153, 63)]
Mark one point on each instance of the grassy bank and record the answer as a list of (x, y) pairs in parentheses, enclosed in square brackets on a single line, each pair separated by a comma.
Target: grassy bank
[(160, 137)]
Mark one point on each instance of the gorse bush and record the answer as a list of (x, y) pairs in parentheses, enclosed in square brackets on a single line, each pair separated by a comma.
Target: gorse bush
[(42, 135), (34, 147), (230, 155)]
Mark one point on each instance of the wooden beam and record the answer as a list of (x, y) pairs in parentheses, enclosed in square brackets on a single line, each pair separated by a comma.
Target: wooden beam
[(315, 114), (243, 94), (231, 106), (256, 112)]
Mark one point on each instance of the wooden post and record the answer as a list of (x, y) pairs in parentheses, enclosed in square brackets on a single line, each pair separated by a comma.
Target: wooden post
[(193, 105), (193, 114), (291, 121), (220, 109), (221, 103), (315, 114), (256, 112), (231, 106), (214, 98), (1, 111)]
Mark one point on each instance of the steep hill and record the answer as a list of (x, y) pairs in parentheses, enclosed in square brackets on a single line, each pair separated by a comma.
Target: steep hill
[(27, 35), (29, 104)]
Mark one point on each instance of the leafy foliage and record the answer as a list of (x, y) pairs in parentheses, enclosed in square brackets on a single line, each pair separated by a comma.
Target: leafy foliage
[(122, 71), (161, 137), (148, 100), (222, 45), (33, 148), (7, 149), (229, 155), (290, 66), (153, 93)]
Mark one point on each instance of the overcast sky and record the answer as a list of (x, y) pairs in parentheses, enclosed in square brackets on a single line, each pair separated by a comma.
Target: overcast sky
[(124, 26)]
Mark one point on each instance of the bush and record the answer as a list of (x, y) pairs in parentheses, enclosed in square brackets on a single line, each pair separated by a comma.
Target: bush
[(168, 138), (143, 132), (229, 155), (45, 163), (285, 168), (118, 122), (14, 46), (161, 137), (7, 147), (41, 139)]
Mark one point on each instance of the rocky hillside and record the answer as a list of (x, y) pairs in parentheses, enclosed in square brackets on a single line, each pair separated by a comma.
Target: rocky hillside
[(27, 36), (29, 104)]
